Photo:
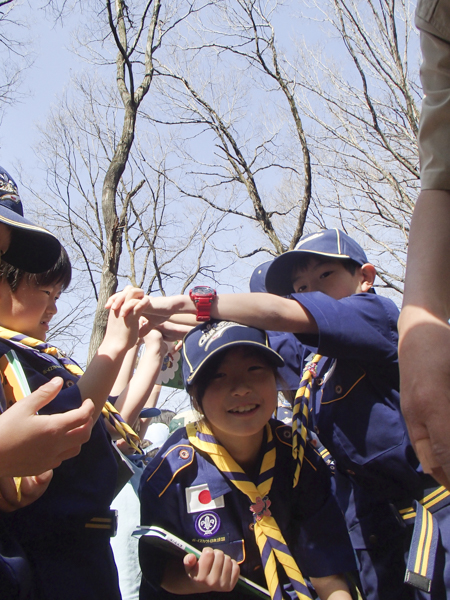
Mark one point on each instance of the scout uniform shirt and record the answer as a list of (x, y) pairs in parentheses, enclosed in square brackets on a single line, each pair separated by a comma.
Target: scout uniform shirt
[(355, 411), (71, 559), (183, 492)]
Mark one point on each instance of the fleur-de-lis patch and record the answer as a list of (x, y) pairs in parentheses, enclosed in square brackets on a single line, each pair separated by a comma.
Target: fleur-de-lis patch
[(260, 508)]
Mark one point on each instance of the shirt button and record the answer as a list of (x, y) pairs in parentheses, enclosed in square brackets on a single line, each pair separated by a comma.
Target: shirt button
[(350, 472), (316, 429), (251, 526), (319, 381), (338, 389), (373, 539)]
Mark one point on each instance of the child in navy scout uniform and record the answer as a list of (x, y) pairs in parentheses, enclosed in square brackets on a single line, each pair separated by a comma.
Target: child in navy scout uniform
[(65, 533), (225, 484), (353, 406)]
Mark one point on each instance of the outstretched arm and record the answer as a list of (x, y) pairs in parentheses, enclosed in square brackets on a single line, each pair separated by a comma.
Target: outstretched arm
[(31, 444), (424, 342), (265, 311)]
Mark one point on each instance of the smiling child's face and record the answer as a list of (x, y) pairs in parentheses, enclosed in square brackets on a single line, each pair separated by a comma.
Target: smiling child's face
[(241, 397)]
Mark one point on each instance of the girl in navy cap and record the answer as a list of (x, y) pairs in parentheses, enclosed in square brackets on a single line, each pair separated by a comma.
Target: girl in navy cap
[(225, 484)]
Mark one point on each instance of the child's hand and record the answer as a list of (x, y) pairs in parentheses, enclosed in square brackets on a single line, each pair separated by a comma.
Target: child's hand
[(31, 443), (214, 571), (31, 489), (173, 332), (127, 300), (122, 332)]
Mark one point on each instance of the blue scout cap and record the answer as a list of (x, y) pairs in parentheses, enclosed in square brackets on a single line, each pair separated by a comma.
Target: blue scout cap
[(333, 243), (208, 339), (257, 281), (32, 248)]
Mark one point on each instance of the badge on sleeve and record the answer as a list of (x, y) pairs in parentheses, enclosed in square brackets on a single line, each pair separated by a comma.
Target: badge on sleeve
[(198, 499)]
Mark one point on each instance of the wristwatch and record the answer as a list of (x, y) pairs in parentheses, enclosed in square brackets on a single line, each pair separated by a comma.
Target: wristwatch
[(202, 296)]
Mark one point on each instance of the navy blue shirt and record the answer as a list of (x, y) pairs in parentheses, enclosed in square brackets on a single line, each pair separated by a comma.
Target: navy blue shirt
[(66, 563), (308, 515)]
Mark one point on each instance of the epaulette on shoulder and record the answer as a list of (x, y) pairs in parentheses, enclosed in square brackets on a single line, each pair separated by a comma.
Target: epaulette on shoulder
[(176, 458), (283, 432)]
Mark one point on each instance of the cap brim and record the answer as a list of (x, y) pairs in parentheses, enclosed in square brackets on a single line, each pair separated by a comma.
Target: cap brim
[(273, 356), (279, 274), (32, 248)]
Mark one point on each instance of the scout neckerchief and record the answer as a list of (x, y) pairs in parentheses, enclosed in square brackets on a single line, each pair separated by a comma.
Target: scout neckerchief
[(300, 414), (18, 385), (269, 538)]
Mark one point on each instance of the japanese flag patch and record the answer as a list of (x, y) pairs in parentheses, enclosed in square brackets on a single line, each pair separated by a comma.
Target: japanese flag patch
[(198, 499)]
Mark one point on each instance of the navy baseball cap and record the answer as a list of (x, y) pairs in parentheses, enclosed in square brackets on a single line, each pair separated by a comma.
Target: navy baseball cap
[(257, 281), (32, 248), (208, 339), (333, 243)]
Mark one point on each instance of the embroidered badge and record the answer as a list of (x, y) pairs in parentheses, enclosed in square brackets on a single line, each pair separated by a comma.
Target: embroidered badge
[(198, 499), (261, 508), (214, 331), (207, 524)]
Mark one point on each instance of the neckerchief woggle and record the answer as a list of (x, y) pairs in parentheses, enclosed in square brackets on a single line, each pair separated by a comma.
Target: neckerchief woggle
[(18, 385), (270, 540)]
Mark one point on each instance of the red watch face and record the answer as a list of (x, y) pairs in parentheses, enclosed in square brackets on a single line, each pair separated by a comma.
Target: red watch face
[(202, 290), (202, 296)]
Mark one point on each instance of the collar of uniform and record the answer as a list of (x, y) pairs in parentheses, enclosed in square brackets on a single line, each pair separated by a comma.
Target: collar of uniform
[(169, 466)]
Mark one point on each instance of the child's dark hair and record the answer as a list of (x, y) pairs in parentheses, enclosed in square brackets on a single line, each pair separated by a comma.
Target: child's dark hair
[(60, 273), (197, 390), (303, 262)]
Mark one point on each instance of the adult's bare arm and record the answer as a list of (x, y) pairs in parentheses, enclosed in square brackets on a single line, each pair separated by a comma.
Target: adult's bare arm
[(424, 342)]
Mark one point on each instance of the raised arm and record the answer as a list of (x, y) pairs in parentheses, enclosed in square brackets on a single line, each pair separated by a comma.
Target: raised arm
[(134, 396), (121, 335)]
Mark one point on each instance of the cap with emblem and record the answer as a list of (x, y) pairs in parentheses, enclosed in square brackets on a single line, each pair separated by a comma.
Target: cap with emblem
[(32, 248), (333, 243), (207, 340)]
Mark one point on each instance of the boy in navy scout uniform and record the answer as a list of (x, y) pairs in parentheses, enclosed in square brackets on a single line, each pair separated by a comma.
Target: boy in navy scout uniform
[(26, 446), (353, 405), (227, 481), (65, 533)]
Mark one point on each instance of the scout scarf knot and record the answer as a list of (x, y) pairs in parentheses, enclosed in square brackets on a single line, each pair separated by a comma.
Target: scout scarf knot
[(300, 414), (18, 386), (270, 540)]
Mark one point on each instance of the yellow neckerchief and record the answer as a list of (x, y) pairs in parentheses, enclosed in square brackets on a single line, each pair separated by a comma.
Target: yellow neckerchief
[(300, 414), (17, 387), (269, 538)]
